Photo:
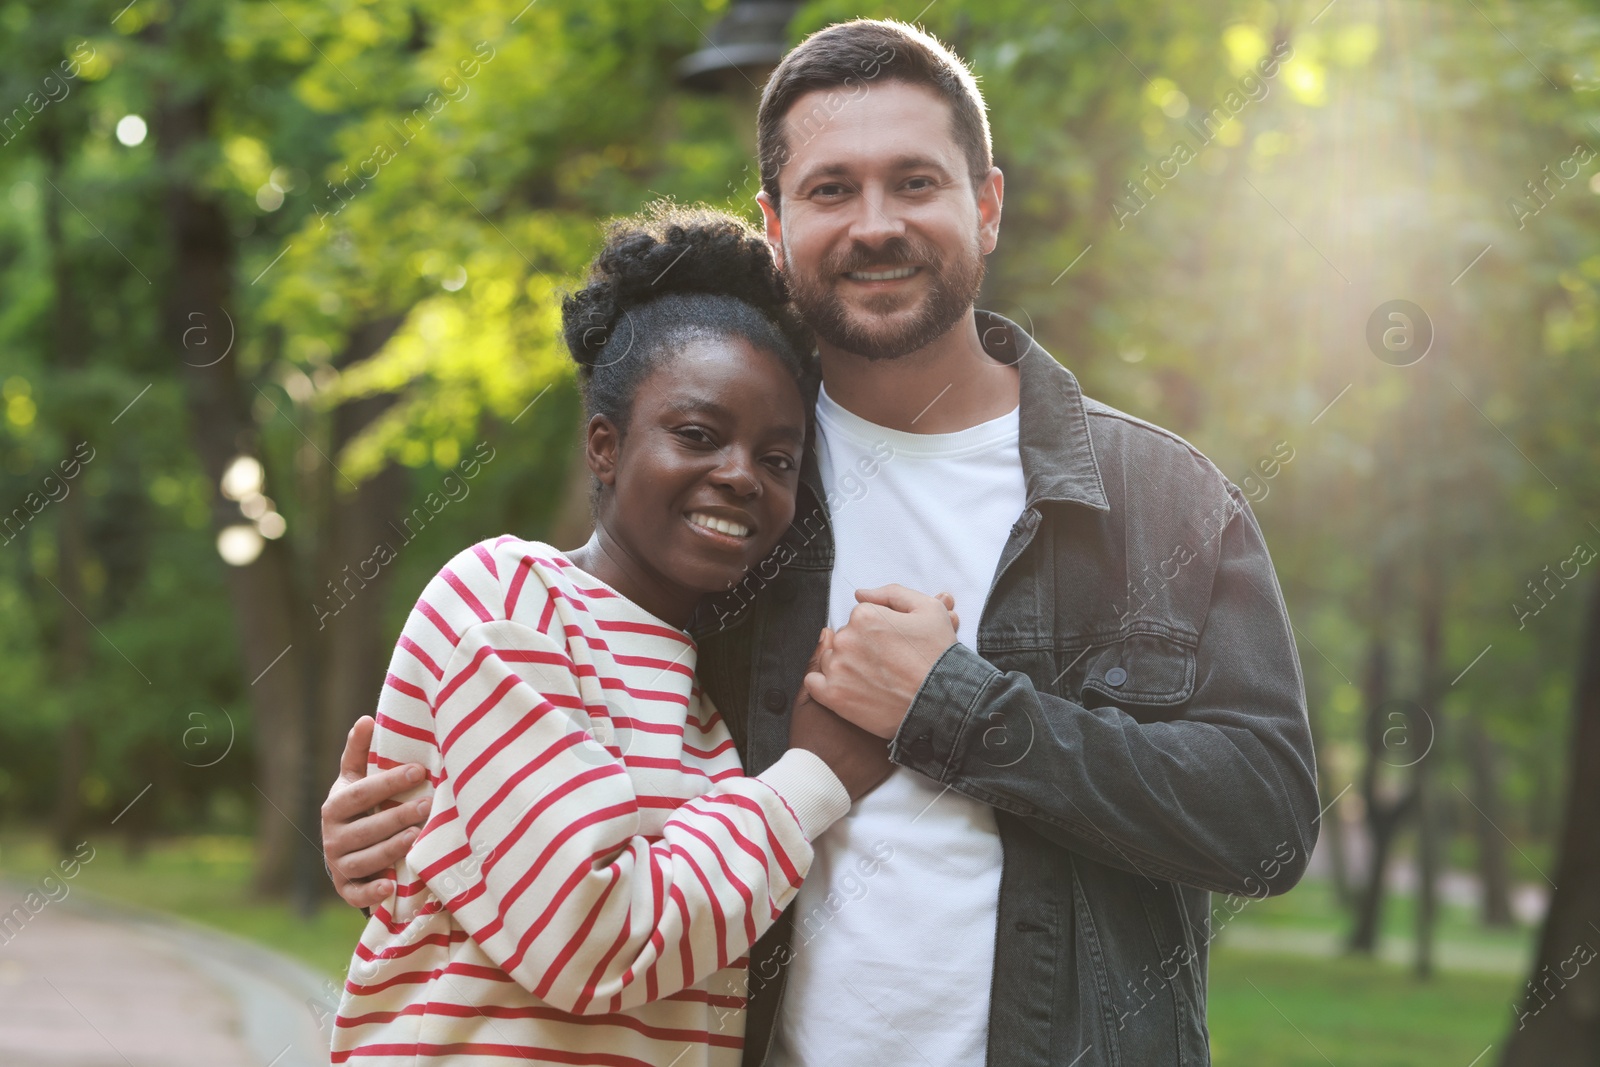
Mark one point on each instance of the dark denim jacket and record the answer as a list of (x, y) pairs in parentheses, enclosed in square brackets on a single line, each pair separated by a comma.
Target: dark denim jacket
[(1134, 713)]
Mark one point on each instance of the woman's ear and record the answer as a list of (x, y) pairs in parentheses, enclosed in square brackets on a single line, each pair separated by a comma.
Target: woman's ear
[(602, 443)]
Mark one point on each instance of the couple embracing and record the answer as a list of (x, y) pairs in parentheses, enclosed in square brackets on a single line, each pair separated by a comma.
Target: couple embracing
[(841, 741)]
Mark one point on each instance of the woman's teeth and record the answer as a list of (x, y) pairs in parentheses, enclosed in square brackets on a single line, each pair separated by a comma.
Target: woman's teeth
[(711, 522), (881, 275)]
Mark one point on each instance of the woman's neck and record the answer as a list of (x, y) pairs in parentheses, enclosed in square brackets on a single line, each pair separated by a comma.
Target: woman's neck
[(607, 559)]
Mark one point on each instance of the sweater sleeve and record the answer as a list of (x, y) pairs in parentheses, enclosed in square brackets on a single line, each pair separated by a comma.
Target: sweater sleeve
[(571, 899)]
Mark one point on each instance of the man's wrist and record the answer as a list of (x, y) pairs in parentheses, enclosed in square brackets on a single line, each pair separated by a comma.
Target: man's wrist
[(933, 727)]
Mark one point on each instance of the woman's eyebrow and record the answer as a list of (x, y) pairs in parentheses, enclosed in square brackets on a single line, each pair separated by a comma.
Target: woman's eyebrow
[(704, 405), (790, 431), (701, 405)]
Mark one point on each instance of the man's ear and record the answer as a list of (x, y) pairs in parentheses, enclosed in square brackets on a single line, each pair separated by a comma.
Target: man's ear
[(769, 214), (990, 195), (601, 445)]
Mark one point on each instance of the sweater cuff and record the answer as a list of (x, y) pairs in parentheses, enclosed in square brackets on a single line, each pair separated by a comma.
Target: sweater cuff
[(808, 785)]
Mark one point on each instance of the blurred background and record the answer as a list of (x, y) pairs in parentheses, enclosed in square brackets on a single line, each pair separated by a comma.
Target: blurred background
[(279, 289)]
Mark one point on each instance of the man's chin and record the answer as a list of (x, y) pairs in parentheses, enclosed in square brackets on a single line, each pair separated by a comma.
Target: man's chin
[(884, 337), (878, 347)]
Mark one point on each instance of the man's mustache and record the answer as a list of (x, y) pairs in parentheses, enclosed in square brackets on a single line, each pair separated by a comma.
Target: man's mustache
[(897, 252)]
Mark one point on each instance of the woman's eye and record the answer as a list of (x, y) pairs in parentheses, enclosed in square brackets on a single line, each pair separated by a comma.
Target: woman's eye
[(782, 463), (695, 434)]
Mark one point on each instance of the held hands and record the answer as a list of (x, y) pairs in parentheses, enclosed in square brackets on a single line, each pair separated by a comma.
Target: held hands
[(859, 759), (868, 673), (870, 670), (360, 846)]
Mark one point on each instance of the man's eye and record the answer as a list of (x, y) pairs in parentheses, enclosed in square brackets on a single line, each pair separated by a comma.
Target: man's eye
[(695, 434), (829, 190), (919, 184), (781, 462)]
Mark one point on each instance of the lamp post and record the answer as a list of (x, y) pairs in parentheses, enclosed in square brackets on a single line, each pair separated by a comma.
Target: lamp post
[(744, 47)]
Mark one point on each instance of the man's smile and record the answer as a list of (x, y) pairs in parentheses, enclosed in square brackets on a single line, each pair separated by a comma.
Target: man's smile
[(891, 275)]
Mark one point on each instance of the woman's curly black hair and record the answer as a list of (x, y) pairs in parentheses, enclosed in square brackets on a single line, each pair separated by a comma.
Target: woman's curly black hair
[(663, 278)]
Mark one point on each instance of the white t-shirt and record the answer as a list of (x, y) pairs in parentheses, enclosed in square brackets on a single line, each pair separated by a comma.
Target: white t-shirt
[(895, 924)]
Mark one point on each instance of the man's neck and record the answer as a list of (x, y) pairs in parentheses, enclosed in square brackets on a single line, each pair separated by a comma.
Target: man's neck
[(948, 385)]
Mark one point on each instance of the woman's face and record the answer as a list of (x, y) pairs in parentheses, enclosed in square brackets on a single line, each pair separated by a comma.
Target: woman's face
[(702, 483)]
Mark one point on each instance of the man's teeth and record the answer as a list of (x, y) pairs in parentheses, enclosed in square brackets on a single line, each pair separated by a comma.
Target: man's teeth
[(881, 275), (711, 522)]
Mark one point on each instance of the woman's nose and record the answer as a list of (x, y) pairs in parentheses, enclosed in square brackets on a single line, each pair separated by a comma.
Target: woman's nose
[(737, 471)]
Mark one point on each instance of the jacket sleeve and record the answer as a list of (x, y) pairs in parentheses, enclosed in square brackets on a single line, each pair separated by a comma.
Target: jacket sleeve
[(1222, 797), (570, 898)]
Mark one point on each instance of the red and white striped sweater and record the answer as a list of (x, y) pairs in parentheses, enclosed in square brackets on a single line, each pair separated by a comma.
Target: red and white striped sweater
[(596, 865)]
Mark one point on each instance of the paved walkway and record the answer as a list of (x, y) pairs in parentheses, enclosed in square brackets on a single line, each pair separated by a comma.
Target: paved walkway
[(85, 985)]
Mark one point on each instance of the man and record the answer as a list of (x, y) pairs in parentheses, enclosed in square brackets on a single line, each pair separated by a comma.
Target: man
[(1120, 728)]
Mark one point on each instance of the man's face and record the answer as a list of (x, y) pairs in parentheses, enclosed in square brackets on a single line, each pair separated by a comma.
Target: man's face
[(881, 235)]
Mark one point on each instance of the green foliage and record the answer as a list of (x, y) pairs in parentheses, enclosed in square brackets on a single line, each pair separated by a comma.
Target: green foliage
[(447, 166)]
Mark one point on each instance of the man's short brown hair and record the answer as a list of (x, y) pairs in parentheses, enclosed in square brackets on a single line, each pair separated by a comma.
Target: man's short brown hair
[(847, 58)]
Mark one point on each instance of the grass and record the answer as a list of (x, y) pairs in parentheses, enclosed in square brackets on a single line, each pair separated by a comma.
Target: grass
[(1279, 1011), (1282, 994)]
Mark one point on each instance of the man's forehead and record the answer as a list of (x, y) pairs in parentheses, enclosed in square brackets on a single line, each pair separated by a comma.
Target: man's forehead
[(891, 124)]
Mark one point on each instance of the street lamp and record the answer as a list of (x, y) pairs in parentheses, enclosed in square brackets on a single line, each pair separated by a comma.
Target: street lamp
[(744, 47)]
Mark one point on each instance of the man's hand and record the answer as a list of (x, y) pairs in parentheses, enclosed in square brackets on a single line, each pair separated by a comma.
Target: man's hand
[(359, 847), (860, 760), (870, 670)]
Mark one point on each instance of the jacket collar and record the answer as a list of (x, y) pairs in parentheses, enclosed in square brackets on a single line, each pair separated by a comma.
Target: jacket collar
[(1058, 461)]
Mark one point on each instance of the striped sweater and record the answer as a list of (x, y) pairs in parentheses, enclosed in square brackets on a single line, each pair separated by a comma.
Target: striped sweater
[(596, 864)]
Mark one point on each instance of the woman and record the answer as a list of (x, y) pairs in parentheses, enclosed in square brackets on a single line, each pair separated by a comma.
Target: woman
[(597, 864)]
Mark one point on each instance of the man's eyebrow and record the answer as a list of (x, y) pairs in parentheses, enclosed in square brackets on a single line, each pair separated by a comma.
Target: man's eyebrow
[(911, 161)]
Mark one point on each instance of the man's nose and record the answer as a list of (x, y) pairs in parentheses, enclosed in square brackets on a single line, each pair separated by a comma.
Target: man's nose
[(876, 221)]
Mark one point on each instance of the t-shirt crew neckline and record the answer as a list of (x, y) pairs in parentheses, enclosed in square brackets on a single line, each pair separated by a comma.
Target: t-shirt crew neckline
[(643, 613), (1002, 430)]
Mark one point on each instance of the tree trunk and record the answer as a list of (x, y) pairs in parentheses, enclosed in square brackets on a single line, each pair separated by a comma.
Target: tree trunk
[(310, 675), (1384, 818), (72, 549), (1558, 1024), (198, 294), (1494, 872), (1428, 836), (1332, 830)]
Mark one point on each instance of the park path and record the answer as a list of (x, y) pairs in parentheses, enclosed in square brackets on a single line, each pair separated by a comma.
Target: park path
[(84, 984), (88, 983)]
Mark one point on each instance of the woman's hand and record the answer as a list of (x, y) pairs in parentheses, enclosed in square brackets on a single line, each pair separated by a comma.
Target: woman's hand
[(360, 846), (860, 760)]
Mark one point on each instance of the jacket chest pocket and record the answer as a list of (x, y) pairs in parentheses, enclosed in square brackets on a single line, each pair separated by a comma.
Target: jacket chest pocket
[(1149, 675)]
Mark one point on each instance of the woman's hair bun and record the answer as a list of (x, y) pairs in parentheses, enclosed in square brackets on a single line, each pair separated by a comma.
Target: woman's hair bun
[(666, 249)]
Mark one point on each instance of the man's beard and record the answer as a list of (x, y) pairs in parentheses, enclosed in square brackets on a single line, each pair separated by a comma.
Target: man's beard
[(953, 291)]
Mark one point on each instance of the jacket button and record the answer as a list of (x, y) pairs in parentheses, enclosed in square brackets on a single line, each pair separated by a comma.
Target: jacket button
[(773, 700), (922, 748), (1116, 676)]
